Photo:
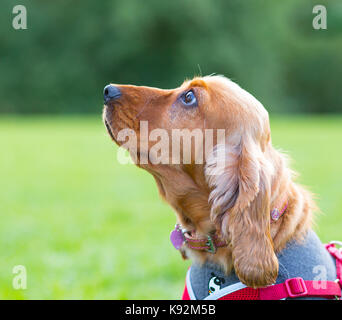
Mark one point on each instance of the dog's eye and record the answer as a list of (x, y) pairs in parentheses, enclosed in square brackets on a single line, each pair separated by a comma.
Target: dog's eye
[(189, 98)]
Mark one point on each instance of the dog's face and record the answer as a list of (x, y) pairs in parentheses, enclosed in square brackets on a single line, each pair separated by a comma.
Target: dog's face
[(203, 103), (231, 198), (194, 106)]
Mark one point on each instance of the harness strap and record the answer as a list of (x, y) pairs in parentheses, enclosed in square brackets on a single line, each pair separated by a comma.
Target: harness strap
[(291, 288), (337, 254), (185, 295), (297, 287)]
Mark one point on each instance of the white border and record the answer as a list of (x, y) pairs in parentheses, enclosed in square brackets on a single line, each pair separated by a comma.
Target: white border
[(226, 290)]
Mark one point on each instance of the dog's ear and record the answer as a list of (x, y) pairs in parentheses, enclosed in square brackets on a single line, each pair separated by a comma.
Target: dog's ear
[(240, 182)]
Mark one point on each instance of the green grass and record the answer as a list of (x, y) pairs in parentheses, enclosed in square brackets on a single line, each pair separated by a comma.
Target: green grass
[(86, 227)]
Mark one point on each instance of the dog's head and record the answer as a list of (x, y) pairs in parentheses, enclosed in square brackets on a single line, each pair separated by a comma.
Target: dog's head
[(223, 180)]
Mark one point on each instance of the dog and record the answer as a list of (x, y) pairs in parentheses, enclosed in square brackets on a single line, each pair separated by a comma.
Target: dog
[(240, 213)]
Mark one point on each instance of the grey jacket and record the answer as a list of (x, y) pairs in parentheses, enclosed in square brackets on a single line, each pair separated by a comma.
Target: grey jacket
[(307, 259)]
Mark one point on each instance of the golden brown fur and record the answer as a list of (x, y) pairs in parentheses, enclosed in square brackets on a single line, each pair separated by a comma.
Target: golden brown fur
[(235, 202)]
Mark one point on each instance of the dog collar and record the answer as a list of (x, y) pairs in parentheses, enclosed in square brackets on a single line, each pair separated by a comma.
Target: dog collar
[(180, 236)]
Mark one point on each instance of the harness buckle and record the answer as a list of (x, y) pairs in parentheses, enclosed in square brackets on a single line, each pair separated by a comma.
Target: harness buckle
[(210, 243), (296, 287)]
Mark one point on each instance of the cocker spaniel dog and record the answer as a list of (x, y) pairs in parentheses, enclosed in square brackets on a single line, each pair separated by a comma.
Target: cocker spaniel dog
[(241, 217)]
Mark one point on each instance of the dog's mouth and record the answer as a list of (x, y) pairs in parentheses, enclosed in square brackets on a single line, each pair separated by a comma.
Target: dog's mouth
[(107, 123), (109, 130)]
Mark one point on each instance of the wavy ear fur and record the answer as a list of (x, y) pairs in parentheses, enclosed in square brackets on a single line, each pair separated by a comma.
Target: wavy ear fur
[(240, 180)]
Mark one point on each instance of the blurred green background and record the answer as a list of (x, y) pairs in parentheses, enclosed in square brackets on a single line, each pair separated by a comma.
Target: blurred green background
[(71, 49), (85, 226)]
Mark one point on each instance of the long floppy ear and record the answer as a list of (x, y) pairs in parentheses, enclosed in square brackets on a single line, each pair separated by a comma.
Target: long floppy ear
[(240, 182)]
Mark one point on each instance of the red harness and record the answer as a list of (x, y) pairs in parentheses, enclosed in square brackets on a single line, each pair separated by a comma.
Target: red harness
[(291, 288)]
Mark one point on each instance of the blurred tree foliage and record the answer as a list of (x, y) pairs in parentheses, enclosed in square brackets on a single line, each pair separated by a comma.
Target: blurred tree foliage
[(71, 49)]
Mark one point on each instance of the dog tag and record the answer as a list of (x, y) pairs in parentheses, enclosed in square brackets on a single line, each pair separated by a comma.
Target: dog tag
[(275, 214), (177, 237)]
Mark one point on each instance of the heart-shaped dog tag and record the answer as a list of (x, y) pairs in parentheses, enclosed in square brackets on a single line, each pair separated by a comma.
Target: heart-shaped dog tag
[(177, 237)]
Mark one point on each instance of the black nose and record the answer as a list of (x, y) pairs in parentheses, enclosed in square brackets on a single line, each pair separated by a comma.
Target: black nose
[(111, 92)]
